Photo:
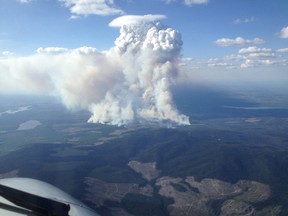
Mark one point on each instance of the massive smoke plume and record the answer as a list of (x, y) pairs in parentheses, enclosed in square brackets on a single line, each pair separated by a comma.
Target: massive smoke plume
[(128, 83)]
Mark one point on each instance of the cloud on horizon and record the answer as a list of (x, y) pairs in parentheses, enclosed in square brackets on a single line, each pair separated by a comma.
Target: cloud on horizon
[(7, 53), (24, 1), (51, 50), (188, 2), (91, 7), (284, 33), (269, 72), (238, 41), (195, 2), (134, 19), (283, 50), (105, 7), (252, 58), (245, 20), (254, 49)]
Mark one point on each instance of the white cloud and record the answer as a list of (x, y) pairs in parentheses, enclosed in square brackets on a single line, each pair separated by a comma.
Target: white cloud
[(61, 50), (248, 63), (169, 1), (187, 59), (219, 64), (234, 69), (282, 50), (24, 1), (188, 2), (250, 57), (257, 53), (246, 59), (254, 56), (237, 41), (245, 20), (91, 7), (192, 2), (7, 53), (284, 33), (254, 49), (134, 19), (51, 50), (261, 55), (252, 63), (234, 58), (266, 62)]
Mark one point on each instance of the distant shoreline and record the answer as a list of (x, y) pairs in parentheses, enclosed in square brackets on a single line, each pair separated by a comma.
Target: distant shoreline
[(256, 108)]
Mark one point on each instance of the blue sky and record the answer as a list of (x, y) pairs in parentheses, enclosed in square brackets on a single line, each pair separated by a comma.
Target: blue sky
[(213, 31), (27, 25), (68, 48)]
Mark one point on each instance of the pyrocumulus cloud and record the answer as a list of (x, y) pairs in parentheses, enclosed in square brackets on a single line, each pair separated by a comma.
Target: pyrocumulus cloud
[(128, 83)]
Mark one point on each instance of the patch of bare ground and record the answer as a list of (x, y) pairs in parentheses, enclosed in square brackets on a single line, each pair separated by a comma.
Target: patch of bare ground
[(252, 191), (99, 191), (113, 135), (235, 207), (185, 202), (241, 208), (147, 170), (192, 197), (213, 188)]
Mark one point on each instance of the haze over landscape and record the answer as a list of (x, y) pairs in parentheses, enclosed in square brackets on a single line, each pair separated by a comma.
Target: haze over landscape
[(150, 107), (131, 81)]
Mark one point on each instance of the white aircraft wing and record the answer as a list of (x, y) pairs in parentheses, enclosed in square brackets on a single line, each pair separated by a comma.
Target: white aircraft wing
[(25, 196)]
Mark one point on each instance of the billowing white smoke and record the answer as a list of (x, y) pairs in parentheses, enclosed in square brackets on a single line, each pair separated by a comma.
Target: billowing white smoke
[(129, 83), (148, 53)]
